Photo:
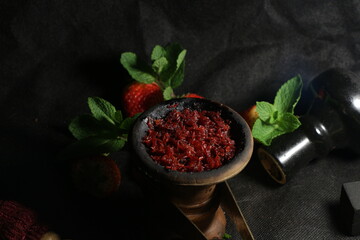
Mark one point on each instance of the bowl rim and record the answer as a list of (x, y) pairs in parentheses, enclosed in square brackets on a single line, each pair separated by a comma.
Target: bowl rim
[(158, 173)]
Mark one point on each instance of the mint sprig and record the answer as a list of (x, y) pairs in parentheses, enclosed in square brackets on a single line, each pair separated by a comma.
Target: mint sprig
[(278, 118), (166, 70), (102, 132)]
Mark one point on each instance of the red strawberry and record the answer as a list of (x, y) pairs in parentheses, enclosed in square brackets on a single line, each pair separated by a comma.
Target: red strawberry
[(192, 95), (98, 176), (250, 115), (138, 97)]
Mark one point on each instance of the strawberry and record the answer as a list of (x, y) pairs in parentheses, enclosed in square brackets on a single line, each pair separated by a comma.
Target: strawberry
[(138, 97), (192, 95), (250, 115), (98, 176)]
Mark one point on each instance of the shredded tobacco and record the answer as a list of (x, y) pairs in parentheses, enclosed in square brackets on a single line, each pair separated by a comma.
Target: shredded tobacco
[(190, 140)]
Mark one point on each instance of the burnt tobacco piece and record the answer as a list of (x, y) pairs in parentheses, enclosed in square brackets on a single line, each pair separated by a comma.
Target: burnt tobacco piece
[(350, 207)]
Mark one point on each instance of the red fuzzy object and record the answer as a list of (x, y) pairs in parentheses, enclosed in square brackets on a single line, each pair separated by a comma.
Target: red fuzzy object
[(19, 223)]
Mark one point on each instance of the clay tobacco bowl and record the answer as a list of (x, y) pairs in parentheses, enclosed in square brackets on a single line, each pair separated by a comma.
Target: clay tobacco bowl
[(240, 132)]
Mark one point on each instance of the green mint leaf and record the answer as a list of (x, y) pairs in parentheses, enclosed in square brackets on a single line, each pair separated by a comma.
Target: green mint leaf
[(277, 119), (137, 69), (172, 52), (117, 144), (118, 117), (265, 133), (175, 55), (92, 146), (265, 110), (274, 118), (85, 126), (177, 78), (168, 93), (157, 53), (160, 65), (288, 122), (288, 95), (128, 122), (105, 131), (180, 59), (102, 109)]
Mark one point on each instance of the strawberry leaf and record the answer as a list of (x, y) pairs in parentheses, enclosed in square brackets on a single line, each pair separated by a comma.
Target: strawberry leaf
[(137, 69), (102, 109)]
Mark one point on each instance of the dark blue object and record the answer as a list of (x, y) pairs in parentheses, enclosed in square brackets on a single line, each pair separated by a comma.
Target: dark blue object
[(333, 121)]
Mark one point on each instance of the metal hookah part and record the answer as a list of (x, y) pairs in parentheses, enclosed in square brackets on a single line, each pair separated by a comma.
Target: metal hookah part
[(333, 121)]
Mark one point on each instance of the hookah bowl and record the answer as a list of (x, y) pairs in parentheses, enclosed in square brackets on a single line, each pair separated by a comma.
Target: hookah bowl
[(197, 195), (333, 121)]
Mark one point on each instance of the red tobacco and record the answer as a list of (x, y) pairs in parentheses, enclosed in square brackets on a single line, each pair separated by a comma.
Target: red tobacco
[(190, 140)]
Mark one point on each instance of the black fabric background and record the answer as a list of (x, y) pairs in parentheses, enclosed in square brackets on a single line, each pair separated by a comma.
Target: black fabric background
[(54, 54)]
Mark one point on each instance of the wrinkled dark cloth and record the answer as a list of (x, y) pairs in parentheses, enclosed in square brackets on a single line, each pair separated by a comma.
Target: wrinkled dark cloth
[(54, 54)]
